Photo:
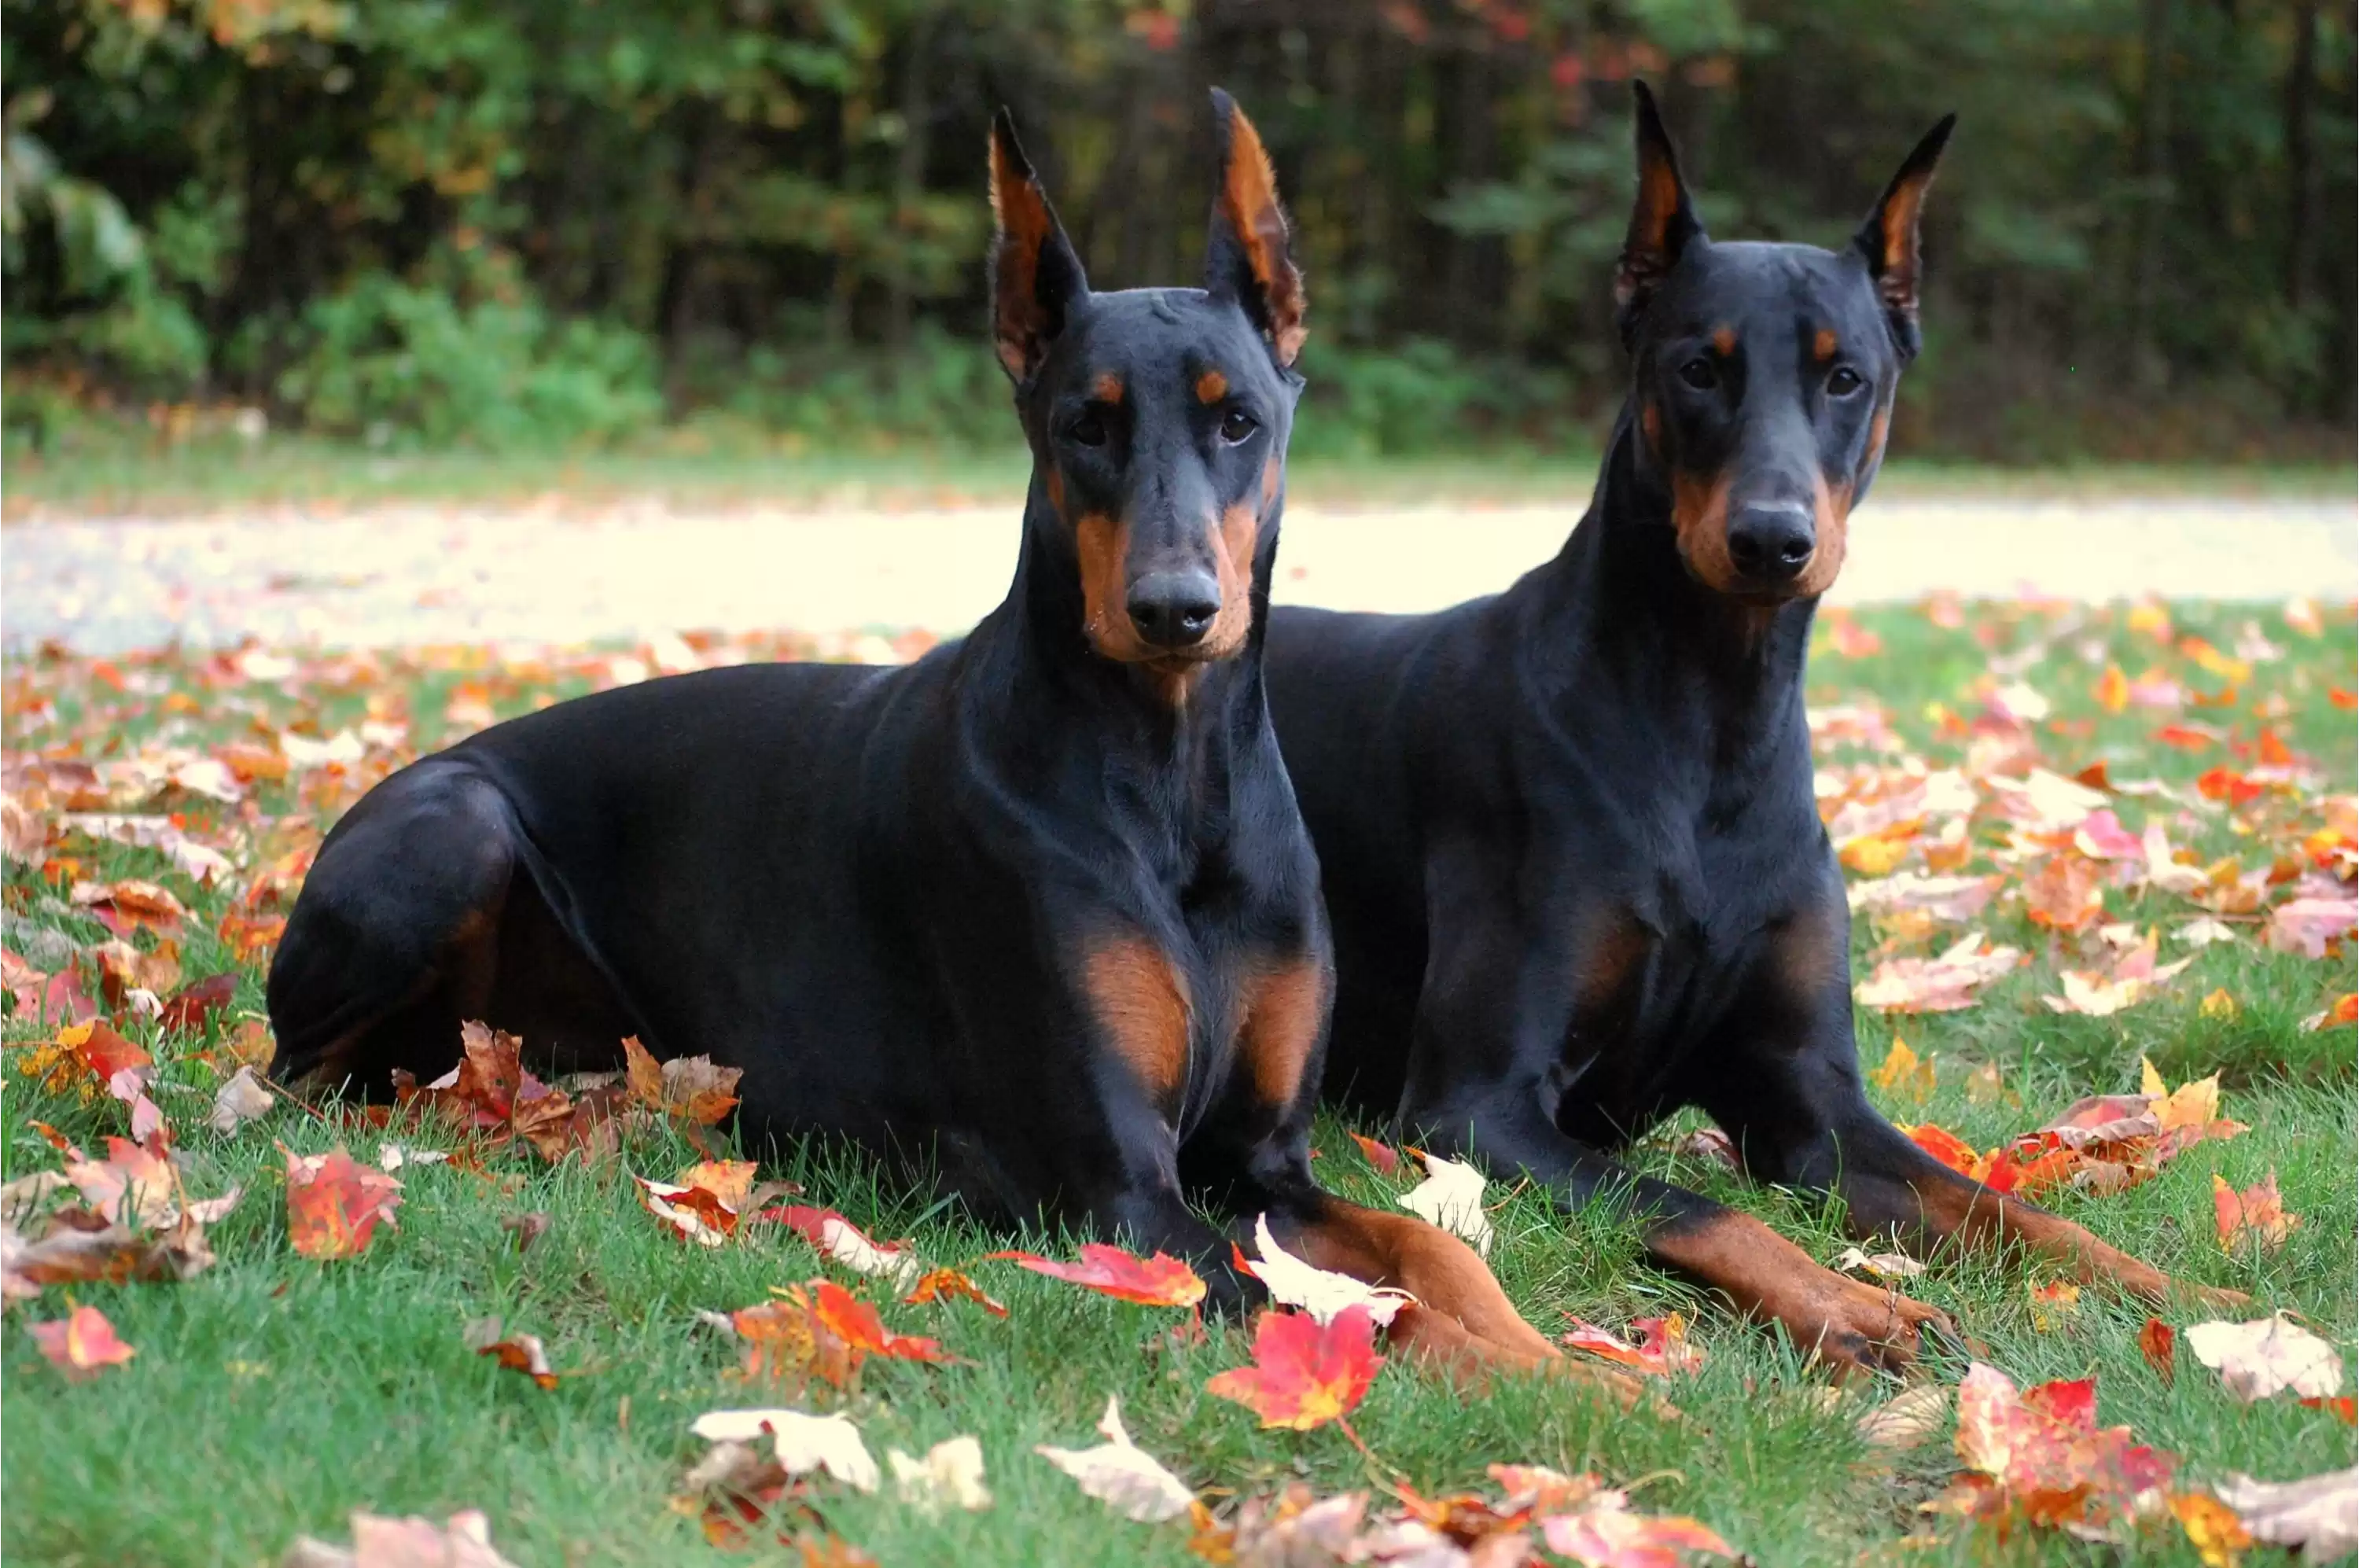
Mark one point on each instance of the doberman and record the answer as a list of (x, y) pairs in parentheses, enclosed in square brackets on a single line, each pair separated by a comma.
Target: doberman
[(1035, 913), (1572, 857)]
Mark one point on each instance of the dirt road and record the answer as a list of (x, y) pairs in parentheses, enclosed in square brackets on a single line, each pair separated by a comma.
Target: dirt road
[(449, 575)]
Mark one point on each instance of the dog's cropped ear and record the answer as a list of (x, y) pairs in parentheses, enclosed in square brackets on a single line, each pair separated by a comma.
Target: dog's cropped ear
[(1249, 256), (1662, 222), (1034, 276), (1888, 239)]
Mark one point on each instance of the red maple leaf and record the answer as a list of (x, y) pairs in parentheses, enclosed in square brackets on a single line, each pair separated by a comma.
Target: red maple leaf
[(82, 1344), (334, 1203), (1161, 1281), (1304, 1375)]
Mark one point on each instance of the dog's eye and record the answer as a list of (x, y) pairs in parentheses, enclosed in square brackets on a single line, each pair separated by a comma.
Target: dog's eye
[(1088, 429), (1700, 374), (1236, 425), (1844, 381)]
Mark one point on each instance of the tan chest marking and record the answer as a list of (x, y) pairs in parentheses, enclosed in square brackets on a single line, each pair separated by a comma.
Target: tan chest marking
[(1282, 1008), (1140, 1000)]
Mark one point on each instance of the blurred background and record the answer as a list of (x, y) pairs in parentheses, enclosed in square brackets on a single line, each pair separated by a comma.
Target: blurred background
[(756, 226)]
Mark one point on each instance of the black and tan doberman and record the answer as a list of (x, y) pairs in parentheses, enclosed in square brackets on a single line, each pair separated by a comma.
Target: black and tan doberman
[(1037, 912), (1573, 860)]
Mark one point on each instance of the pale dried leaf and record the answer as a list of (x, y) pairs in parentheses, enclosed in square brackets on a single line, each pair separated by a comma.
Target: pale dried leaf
[(802, 1441), (1451, 1196), (1121, 1474)]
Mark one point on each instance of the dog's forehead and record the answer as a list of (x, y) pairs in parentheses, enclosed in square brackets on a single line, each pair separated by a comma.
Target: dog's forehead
[(1167, 334), (1764, 286)]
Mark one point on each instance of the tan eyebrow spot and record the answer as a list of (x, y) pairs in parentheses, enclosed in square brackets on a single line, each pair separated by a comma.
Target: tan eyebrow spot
[(1107, 388), (1723, 340), (1211, 387), (1823, 347)]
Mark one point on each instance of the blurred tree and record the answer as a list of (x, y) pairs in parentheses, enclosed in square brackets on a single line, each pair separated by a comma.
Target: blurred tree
[(411, 219)]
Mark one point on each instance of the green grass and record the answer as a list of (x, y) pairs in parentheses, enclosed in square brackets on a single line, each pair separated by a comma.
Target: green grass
[(273, 1394), (109, 473)]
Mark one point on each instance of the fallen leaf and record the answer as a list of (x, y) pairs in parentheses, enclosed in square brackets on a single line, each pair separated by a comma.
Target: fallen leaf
[(693, 1213), (2258, 1212), (1451, 1196), (2160, 1348), (2052, 1305), (1943, 984), (1320, 1292), (1383, 1156), (82, 1344), (2317, 1518), (802, 1441), (1605, 1533), (2212, 1527), (123, 968), (841, 1241), (333, 1204), (528, 1228), (2218, 1004), (1903, 1075), (2268, 1356), (2038, 1453), (519, 1353), (1912, 1416), (239, 1101), (1161, 1281), (949, 1477), (2066, 893), (1879, 1265), (688, 1087), (464, 1541), (1121, 1474), (821, 1329), (949, 1284), (1305, 1373), (1662, 1347), (2102, 993), (2313, 927)]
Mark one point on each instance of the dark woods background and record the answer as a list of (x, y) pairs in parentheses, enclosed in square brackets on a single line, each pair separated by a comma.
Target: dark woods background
[(552, 221)]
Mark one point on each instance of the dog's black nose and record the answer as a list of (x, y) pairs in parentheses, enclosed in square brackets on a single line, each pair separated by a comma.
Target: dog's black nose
[(1174, 609), (1771, 544)]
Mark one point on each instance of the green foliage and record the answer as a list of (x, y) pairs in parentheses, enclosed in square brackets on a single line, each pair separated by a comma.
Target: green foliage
[(771, 210), (395, 362)]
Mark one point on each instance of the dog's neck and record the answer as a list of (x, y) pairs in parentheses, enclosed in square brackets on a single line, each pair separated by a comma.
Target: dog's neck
[(1692, 661)]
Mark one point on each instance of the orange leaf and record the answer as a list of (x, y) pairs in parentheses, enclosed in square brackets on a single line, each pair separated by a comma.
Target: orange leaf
[(1304, 1375), (1383, 1156), (1662, 1347), (2066, 893), (949, 1284), (333, 1204), (2345, 1406), (1161, 1281), (2159, 1346), (82, 1344), (856, 1323), (1945, 1146), (2260, 1210)]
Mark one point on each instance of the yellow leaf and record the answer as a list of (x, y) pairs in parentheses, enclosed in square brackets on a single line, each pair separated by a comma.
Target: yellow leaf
[(2220, 1005), (2212, 1527), (2150, 1082), (1903, 1073)]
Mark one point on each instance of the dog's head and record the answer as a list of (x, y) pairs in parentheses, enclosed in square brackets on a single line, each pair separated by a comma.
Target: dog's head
[(1159, 417), (1763, 375)]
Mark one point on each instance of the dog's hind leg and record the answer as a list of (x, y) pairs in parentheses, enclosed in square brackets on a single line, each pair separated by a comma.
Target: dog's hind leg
[(396, 936)]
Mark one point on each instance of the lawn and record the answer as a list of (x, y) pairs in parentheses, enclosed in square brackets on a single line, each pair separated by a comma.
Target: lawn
[(126, 471), (275, 1393)]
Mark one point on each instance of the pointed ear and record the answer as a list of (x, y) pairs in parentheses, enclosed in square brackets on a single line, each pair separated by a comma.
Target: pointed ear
[(1248, 257), (1035, 275), (1662, 223), (1888, 239)]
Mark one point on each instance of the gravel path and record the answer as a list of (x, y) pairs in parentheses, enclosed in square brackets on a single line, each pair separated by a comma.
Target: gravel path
[(451, 574)]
